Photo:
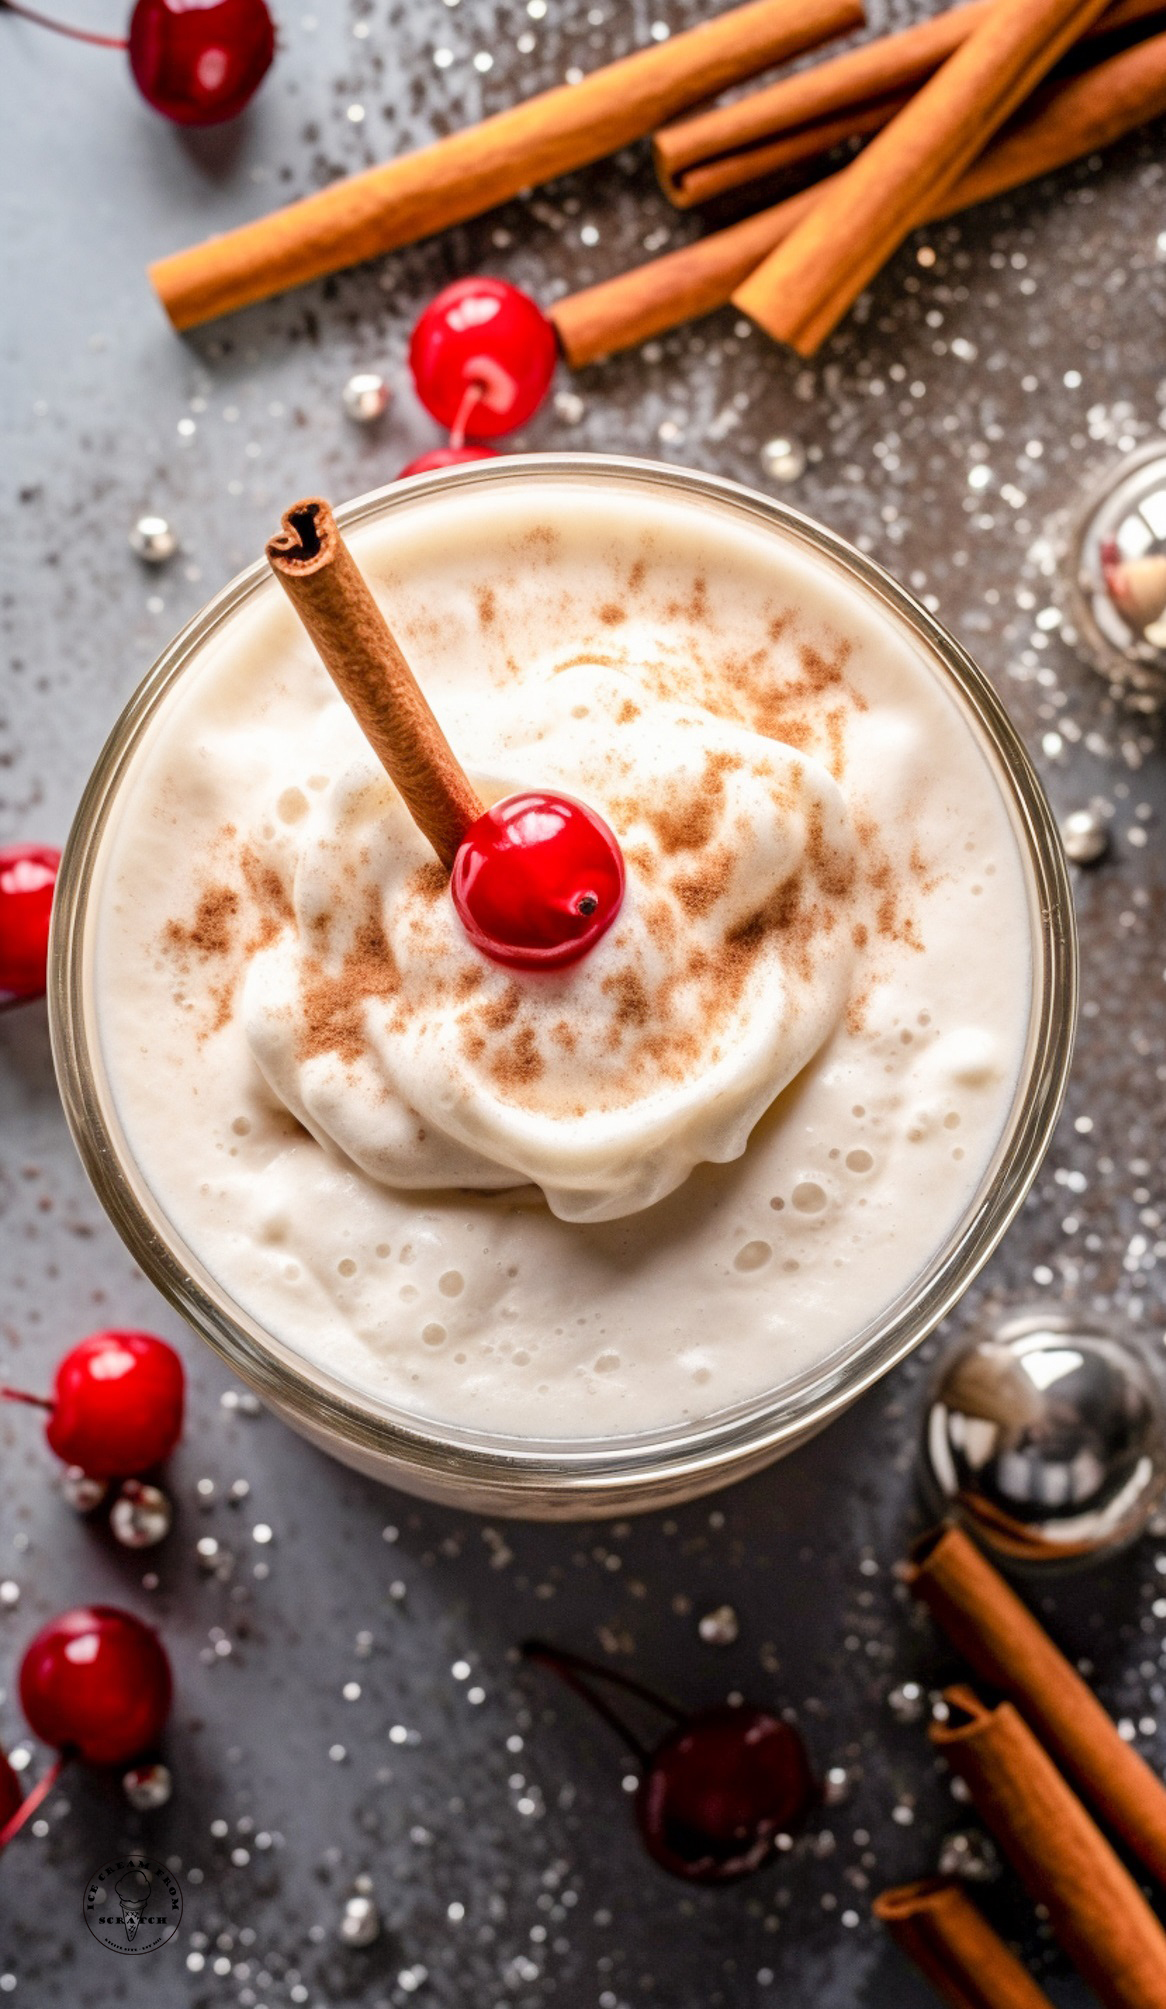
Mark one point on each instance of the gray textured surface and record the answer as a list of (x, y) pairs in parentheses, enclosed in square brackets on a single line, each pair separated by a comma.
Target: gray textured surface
[(958, 362)]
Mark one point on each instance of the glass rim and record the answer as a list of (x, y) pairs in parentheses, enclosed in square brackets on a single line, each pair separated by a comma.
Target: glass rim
[(522, 1475)]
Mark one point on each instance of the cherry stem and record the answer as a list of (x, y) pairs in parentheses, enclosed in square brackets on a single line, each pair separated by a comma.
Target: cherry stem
[(31, 1802), (63, 28), (475, 391), (21, 1394), (572, 1668)]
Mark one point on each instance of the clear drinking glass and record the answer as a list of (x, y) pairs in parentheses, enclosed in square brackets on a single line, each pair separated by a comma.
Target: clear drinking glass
[(575, 1479)]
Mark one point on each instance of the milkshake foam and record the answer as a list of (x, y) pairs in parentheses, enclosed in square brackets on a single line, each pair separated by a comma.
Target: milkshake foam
[(663, 1181)]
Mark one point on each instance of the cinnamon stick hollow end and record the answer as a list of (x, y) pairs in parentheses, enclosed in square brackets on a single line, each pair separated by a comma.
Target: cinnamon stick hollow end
[(364, 660), (934, 1922)]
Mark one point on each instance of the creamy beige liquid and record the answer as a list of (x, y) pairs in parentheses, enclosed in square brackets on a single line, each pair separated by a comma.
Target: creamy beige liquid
[(271, 1104)]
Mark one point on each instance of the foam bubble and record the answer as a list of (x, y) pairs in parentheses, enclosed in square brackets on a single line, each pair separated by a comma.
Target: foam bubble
[(451, 1283), (434, 1334), (753, 1256), (808, 1197), (859, 1161), (292, 806)]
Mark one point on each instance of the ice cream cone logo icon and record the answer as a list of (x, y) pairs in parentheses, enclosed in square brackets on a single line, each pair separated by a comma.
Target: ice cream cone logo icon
[(133, 1905), (133, 1894)]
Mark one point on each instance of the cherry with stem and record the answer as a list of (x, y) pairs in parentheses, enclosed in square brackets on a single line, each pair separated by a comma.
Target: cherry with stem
[(718, 1789), (117, 1403), (95, 1684), (197, 65)]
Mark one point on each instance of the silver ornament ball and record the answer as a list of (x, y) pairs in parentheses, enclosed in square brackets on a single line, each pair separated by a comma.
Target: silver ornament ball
[(1085, 836), (1116, 577), (783, 459), (147, 1787), (366, 397), (907, 1703), (1046, 1438), (152, 540), (361, 1922), (141, 1515)]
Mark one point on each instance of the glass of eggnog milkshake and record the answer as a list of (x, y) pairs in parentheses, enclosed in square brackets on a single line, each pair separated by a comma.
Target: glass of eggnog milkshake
[(589, 1238)]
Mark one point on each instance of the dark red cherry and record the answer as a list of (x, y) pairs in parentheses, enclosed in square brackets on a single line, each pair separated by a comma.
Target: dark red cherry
[(482, 356), (446, 456), (537, 880), (95, 1683), (199, 62), (116, 1406), (28, 874), (719, 1790)]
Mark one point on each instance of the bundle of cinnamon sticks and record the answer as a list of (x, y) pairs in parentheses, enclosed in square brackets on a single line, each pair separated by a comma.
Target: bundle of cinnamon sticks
[(1021, 1760), (958, 106)]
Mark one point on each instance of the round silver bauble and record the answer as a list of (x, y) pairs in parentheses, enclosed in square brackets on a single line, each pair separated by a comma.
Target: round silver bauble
[(783, 459), (1046, 1438), (152, 540), (1116, 576), (141, 1515), (1085, 836), (366, 397), (147, 1787)]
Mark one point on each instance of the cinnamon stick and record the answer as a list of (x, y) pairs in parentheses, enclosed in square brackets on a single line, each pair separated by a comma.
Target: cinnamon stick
[(320, 576), (803, 289), (1062, 122), (936, 1925), (1001, 1640), (803, 116), (1095, 1907), (458, 177)]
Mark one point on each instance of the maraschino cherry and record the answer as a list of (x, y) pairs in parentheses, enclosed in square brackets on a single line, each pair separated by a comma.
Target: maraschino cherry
[(28, 875), (537, 880), (197, 62), (116, 1406), (445, 456), (482, 356), (95, 1683), (719, 1789)]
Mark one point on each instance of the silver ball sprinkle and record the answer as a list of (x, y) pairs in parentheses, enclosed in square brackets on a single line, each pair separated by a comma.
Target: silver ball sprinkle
[(82, 1492), (907, 1703), (147, 1787), (361, 1922), (969, 1855), (1047, 1438), (141, 1515), (719, 1627), (152, 540), (1085, 836), (366, 397), (783, 459)]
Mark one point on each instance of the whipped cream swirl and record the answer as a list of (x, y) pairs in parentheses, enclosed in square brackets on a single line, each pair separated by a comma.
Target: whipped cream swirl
[(396, 1043)]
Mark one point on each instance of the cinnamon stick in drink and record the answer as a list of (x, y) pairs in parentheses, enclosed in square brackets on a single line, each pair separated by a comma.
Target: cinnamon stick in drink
[(935, 1923), (458, 177), (800, 117), (321, 579), (1001, 1640), (803, 289), (1063, 122), (1094, 1906)]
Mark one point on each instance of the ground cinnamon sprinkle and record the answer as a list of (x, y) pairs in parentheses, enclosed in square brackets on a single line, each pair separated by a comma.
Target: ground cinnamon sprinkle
[(612, 614), (332, 1002), (211, 932), (520, 1062)]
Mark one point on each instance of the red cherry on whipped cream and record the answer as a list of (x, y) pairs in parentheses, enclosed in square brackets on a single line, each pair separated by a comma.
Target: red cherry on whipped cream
[(537, 880), (116, 1406), (95, 1683), (28, 874)]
